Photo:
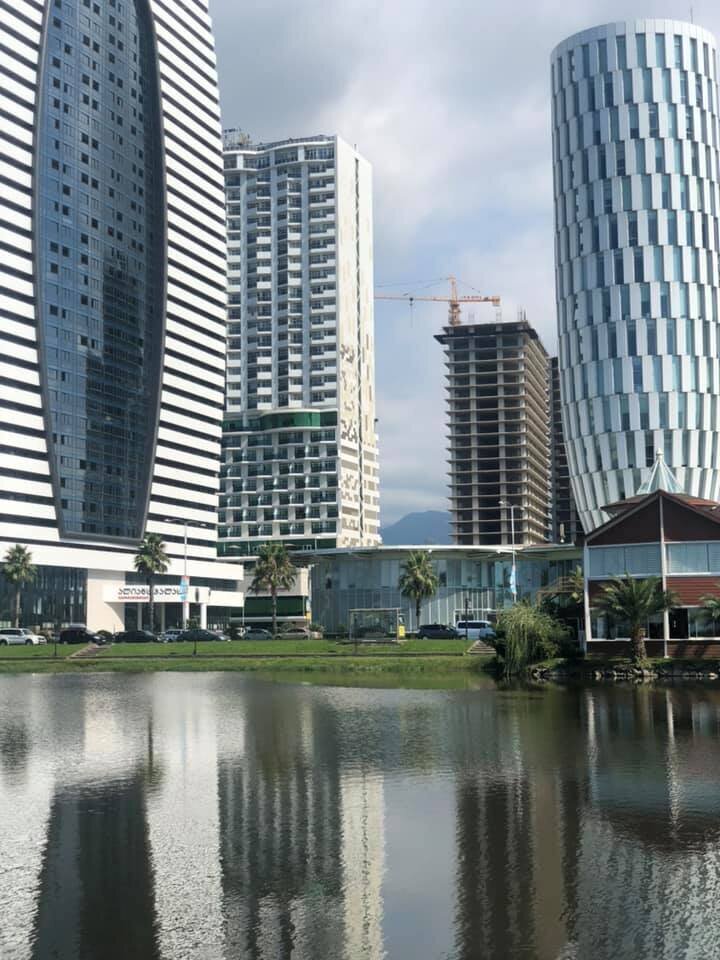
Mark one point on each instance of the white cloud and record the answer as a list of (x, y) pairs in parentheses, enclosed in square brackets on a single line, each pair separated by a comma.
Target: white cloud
[(450, 103)]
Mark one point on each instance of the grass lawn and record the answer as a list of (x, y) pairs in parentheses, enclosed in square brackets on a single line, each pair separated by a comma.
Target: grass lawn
[(321, 658), (310, 648), (292, 667), (21, 652)]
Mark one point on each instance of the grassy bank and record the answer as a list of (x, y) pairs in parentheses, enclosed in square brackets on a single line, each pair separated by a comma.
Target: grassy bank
[(331, 666), (282, 648), (416, 657)]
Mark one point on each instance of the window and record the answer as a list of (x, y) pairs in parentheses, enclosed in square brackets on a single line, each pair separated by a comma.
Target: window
[(637, 374), (637, 560), (639, 265), (678, 51), (692, 557), (653, 228), (634, 122), (660, 49), (627, 86), (621, 52), (653, 120)]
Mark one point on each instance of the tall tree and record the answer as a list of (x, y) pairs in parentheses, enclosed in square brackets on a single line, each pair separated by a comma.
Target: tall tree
[(150, 560), (18, 569), (418, 579), (274, 570), (633, 601)]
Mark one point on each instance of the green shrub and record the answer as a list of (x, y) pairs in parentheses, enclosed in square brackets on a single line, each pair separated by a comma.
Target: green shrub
[(526, 634)]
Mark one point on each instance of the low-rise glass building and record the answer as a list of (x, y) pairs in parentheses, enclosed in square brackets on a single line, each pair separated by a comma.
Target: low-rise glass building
[(474, 582)]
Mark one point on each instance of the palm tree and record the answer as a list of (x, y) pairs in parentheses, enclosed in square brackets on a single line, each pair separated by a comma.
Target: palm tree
[(150, 560), (711, 606), (18, 569), (418, 579), (274, 570), (634, 601)]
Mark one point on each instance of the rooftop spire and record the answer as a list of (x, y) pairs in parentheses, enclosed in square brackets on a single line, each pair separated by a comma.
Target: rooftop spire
[(661, 478)]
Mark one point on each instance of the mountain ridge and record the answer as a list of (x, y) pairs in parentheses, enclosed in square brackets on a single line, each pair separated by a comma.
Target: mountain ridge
[(418, 528)]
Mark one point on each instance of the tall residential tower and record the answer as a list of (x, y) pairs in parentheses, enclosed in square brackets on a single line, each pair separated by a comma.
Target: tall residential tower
[(635, 150), (300, 452)]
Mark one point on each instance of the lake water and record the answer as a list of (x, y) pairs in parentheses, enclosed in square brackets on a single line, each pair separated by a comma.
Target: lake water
[(218, 816)]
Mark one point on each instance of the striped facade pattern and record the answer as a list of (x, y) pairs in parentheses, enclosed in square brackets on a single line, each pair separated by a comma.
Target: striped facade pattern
[(635, 150), (185, 469)]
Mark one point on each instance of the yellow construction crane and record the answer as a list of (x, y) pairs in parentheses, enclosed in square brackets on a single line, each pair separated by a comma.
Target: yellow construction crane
[(453, 300)]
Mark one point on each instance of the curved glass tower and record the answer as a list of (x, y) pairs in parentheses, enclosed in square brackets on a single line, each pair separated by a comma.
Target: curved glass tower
[(113, 286), (100, 221), (635, 158)]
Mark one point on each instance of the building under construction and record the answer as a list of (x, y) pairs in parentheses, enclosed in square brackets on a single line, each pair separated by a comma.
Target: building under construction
[(565, 526), (499, 436)]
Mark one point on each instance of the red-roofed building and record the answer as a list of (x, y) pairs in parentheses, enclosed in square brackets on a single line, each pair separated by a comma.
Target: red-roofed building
[(665, 534)]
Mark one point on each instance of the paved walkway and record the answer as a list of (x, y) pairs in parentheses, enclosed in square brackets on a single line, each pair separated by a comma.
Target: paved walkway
[(484, 649), (90, 650)]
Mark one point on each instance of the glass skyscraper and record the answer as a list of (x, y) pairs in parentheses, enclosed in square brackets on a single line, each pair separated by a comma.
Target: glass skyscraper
[(113, 277), (635, 155)]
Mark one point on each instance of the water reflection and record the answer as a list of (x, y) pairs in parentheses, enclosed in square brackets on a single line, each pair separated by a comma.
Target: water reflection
[(213, 816)]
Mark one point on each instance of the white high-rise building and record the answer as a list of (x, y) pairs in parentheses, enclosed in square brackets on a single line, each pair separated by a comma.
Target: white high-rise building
[(300, 450), (635, 150), (112, 300)]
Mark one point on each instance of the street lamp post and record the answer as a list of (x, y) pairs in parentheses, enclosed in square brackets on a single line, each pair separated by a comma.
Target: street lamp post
[(513, 574), (186, 580)]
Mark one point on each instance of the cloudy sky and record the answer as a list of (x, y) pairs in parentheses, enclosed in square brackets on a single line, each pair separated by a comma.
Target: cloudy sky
[(449, 102)]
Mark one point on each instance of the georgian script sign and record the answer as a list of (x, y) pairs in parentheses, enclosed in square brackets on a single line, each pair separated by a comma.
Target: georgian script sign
[(163, 593)]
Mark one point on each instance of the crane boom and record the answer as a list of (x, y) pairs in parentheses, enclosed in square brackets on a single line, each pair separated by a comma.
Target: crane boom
[(453, 300)]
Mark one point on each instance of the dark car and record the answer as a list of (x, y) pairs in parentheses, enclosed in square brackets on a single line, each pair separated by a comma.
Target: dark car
[(437, 631), (198, 635), (80, 635), (135, 636), (257, 633)]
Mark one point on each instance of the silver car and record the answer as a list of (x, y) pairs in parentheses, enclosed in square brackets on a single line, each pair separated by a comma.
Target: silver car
[(19, 635)]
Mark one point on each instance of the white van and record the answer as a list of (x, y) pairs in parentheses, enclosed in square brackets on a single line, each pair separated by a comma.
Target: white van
[(476, 629)]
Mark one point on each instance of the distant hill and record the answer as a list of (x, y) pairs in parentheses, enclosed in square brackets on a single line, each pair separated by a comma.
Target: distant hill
[(428, 526)]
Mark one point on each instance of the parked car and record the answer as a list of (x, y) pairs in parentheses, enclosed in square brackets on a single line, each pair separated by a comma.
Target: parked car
[(80, 635), (257, 633), (171, 635), (437, 631), (294, 633), (19, 635), (475, 629), (135, 636), (200, 635)]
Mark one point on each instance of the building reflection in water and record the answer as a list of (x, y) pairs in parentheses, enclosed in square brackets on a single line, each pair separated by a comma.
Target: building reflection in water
[(302, 839), (96, 895), (26, 788), (221, 818), (183, 816)]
